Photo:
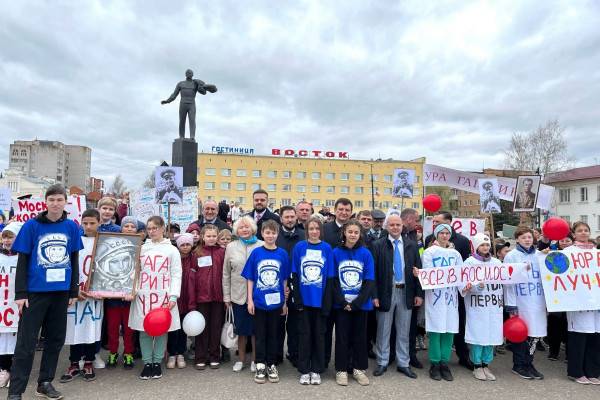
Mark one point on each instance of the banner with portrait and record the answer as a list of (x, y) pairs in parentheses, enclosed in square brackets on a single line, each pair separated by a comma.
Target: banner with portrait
[(404, 183), (528, 187)]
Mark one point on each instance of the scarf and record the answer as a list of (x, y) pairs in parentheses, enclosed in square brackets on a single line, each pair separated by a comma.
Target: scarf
[(253, 239)]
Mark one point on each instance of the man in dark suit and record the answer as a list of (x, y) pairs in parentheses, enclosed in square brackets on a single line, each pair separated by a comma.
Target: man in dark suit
[(210, 215), (463, 246), (260, 213), (397, 292)]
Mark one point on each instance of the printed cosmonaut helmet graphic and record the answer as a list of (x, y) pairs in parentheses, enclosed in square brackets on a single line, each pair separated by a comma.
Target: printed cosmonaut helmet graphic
[(52, 250), (114, 261), (350, 275), (268, 275), (311, 272)]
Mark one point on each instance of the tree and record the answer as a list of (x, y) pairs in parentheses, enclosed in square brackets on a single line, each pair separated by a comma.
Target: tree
[(118, 186), (149, 183), (543, 149)]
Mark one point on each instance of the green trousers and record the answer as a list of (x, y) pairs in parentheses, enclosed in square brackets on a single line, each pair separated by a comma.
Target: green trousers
[(440, 347), (153, 348)]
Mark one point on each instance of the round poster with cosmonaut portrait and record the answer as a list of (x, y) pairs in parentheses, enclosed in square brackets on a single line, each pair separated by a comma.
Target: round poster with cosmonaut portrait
[(268, 275), (311, 266), (350, 275), (52, 251)]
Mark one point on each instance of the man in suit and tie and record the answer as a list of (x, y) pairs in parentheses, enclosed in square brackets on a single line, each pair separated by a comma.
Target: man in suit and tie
[(260, 213)]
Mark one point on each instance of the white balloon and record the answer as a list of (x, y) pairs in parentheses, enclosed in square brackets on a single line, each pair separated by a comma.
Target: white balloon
[(193, 323)]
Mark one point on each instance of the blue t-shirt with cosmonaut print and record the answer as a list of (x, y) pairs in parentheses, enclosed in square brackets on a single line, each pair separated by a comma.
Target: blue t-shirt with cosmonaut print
[(313, 264), (352, 267), (268, 269), (49, 247)]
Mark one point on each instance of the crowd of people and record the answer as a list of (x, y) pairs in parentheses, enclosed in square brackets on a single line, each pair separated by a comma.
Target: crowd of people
[(289, 280)]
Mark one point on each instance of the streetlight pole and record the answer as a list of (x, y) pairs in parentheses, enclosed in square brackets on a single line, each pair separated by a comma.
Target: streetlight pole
[(372, 189)]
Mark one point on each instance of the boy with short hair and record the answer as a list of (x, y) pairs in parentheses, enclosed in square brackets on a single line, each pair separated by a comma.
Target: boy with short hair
[(46, 283), (267, 271), (84, 318), (107, 207)]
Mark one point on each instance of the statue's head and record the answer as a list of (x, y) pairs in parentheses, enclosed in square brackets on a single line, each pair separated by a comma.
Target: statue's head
[(189, 73)]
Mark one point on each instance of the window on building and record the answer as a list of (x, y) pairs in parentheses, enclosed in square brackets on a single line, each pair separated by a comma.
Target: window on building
[(286, 202), (387, 178), (374, 190), (210, 172), (358, 190), (23, 153), (240, 186), (386, 204), (301, 189), (241, 200), (286, 174), (315, 175), (256, 173), (316, 202), (358, 203), (330, 176), (225, 185), (564, 195), (255, 186), (330, 189), (583, 218), (16, 153), (301, 175), (415, 205), (387, 190), (344, 189), (286, 188), (329, 203), (416, 178), (240, 172), (566, 218), (272, 174), (465, 203), (583, 194), (344, 176), (315, 189), (271, 187), (359, 177), (471, 202), (209, 185), (14, 187)]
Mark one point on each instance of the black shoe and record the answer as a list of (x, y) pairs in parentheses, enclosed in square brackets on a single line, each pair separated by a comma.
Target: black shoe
[(379, 370), (540, 346), (434, 372), (146, 372), (156, 371), (467, 364), (523, 372), (45, 389), (407, 371), (415, 363), (535, 374), (446, 374)]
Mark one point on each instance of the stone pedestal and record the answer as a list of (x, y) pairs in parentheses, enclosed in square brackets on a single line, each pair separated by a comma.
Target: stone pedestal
[(185, 154)]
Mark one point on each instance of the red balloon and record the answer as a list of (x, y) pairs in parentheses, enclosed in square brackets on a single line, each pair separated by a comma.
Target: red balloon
[(515, 330), (157, 321), (432, 202), (556, 228)]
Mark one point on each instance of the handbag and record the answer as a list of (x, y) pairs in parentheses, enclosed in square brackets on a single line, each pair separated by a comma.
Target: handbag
[(228, 337)]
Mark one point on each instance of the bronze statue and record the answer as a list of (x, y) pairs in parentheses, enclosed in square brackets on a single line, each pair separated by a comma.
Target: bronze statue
[(187, 104)]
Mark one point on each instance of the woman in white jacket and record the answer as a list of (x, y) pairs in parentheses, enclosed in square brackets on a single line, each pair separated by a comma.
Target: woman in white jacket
[(527, 301), (159, 284), (583, 327), (484, 309)]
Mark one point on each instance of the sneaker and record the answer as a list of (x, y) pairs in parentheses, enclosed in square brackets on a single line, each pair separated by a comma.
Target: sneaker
[(146, 372), (99, 362), (582, 380), (72, 372), (88, 372), (112, 359), (445, 372), (4, 378), (181, 361), (594, 381), (238, 366), (522, 372), (261, 374), (252, 366), (305, 379), (128, 362), (156, 371), (360, 377), (45, 389), (315, 379), (341, 378), (535, 374), (434, 372), (479, 374), (488, 374), (273, 374), (201, 366), (214, 365), (171, 362)]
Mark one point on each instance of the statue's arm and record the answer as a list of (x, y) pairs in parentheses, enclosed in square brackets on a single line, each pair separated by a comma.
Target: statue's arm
[(173, 96)]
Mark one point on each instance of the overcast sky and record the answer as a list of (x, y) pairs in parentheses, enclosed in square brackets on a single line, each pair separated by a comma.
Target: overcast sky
[(449, 81)]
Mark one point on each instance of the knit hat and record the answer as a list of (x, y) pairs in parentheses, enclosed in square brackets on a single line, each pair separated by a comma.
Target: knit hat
[(440, 228), (480, 239), (184, 238), (129, 220), (13, 227), (193, 227)]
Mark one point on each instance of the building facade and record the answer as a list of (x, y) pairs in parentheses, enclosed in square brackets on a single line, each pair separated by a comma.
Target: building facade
[(320, 181), (69, 165), (20, 184), (577, 195)]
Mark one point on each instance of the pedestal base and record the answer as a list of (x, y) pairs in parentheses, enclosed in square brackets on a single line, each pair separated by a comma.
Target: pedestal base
[(185, 154)]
